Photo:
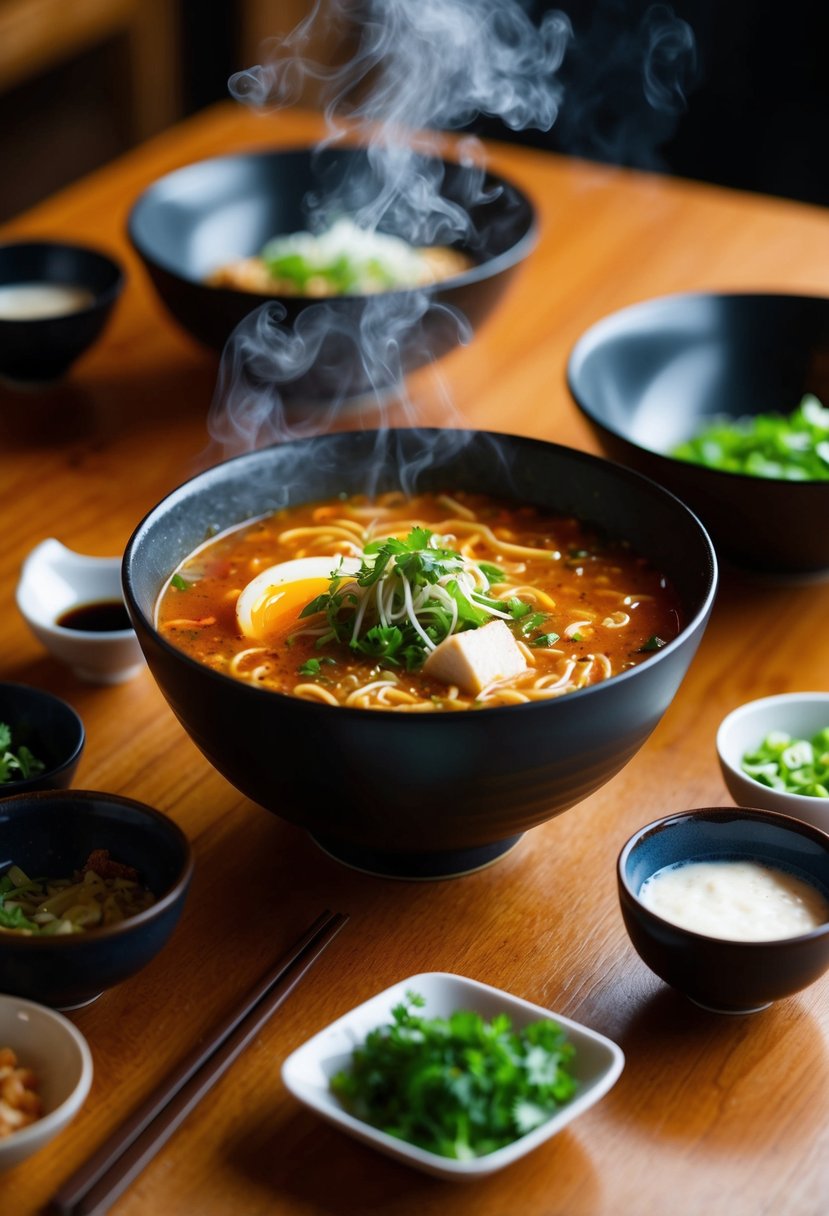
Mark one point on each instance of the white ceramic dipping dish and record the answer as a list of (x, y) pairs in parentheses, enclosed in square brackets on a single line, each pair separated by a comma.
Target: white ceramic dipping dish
[(799, 714), (57, 1052), (54, 580), (307, 1071)]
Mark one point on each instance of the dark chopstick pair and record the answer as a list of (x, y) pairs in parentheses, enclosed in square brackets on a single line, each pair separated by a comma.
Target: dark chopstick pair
[(93, 1188)]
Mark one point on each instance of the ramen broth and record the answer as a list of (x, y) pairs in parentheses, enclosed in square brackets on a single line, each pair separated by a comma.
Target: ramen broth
[(580, 608)]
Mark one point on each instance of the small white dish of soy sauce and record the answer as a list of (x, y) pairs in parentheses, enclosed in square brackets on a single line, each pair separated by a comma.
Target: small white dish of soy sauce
[(74, 606)]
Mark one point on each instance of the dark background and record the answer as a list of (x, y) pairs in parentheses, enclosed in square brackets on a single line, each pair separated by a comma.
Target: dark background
[(756, 114)]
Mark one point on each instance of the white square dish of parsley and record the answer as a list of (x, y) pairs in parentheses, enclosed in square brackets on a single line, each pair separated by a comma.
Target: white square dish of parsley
[(558, 1068)]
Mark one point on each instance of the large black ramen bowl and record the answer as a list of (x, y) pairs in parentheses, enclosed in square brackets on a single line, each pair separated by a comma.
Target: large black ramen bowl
[(197, 218), (654, 374), (40, 350), (422, 794), (52, 833)]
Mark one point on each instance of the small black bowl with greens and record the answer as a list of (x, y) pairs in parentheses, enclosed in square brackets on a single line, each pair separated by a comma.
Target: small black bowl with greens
[(723, 399), (41, 740)]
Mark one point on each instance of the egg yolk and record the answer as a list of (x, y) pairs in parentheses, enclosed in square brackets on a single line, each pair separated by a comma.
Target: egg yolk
[(277, 611)]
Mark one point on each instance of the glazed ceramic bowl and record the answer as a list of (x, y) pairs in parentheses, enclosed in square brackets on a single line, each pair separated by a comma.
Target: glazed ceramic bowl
[(59, 1056), (721, 975), (50, 730), (51, 835), (596, 1066), (56, 582), (197, 218), (419, 794), (39, 350), (652, 375), (798, 714)]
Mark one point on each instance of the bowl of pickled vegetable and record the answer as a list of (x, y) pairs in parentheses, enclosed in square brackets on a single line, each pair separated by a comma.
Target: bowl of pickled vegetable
[(452, 1076), (723, 399), (91, 887), (774, 754)]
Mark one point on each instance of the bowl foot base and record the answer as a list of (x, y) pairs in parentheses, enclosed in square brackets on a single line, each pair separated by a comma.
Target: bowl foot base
[(417, 867), (731, 1012)]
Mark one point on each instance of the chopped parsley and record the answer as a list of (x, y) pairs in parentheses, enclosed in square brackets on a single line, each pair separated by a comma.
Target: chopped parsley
[(458, 1086), (407, 597), (16, 764)]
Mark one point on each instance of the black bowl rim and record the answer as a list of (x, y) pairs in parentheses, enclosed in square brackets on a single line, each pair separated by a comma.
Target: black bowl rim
[(125, 928), (476, 274), (720, 814), (10, 788), (594, 335), (101, 299), (443, 715)]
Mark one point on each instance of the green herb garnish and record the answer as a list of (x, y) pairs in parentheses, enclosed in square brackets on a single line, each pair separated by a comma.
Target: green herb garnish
[(16, 764), (180, 584), (653, 643), (406, 598), (794, 766), (313, 667), (793, 447), (458, 1086)]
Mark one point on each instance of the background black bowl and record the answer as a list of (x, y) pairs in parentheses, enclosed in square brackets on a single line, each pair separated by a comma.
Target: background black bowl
[(725, 976), (652, 375), (50, 729), (40, 350), (419, 794), (196, 218), (52, 834)]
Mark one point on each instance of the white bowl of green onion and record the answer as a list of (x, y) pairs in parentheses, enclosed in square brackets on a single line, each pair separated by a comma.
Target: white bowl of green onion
[(774, 754)]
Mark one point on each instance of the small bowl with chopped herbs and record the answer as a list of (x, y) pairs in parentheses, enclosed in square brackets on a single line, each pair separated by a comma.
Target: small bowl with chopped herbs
[(92, 886), (774, 754), (452, 1076), (41, 740), (723, 399)]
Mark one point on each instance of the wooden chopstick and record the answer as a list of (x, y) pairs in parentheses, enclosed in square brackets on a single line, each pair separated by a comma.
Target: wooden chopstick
[(93, 1188)]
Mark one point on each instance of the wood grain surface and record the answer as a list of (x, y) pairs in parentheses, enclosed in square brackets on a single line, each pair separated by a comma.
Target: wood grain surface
[(712, 1114)]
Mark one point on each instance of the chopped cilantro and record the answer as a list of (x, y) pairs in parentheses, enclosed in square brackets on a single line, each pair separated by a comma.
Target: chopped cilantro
[(16, 764), (458, 1086), (653, 643)]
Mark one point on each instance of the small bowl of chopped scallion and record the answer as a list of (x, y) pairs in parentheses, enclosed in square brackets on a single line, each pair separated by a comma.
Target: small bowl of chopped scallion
[(452, 1076), (774, 754), (41, 740)]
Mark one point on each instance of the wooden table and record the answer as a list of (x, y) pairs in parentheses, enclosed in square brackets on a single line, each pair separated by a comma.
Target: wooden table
[(712, 1114)]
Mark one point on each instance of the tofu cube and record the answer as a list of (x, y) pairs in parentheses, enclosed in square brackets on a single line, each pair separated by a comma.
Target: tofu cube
[(476, 657)]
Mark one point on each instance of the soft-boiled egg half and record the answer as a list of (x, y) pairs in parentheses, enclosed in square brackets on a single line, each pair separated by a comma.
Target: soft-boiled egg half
[(269, 606)]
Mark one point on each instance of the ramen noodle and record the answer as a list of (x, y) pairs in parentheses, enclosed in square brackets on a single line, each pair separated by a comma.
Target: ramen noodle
[(259, 604)]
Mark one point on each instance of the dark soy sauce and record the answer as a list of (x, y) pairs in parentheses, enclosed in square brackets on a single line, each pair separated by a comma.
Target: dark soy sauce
[(104, 616)]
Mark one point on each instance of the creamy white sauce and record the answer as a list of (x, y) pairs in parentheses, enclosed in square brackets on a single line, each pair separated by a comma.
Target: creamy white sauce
[(33, 301), (736, 900)]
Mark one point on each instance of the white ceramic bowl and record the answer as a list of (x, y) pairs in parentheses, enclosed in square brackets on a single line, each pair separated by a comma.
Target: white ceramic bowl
[(799, 714), (54, 580), (57, 1052), (307, 1071)]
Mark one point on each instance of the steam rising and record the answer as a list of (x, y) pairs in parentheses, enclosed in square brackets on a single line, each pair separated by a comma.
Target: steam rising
[(420, 67)]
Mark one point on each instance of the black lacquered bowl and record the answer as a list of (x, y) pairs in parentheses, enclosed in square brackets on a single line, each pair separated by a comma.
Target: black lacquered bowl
[(51, 730), (51, 834), (419, 794), (40, 350), (725, 976), (195, 219), (652, 375)]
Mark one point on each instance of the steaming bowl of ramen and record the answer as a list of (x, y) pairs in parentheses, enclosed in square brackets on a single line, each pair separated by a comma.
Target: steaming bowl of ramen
[(408, 772), (723, 399), (224, 237)]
